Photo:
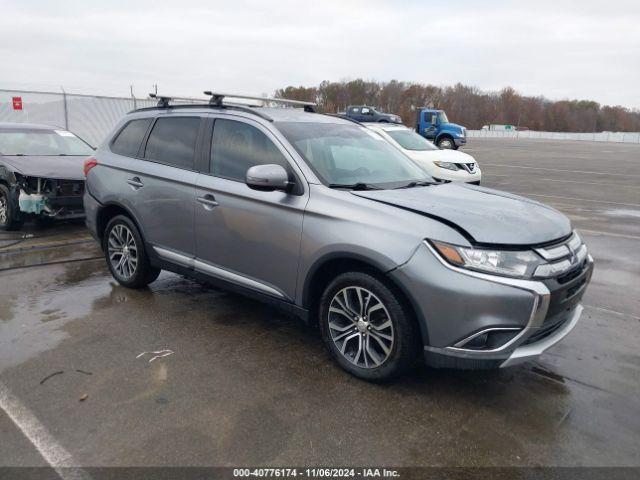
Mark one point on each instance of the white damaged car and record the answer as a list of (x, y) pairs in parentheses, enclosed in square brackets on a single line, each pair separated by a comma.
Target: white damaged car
[(448, 165)]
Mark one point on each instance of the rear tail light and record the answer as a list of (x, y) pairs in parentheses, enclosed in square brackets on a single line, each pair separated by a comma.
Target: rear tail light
[(89, 163)]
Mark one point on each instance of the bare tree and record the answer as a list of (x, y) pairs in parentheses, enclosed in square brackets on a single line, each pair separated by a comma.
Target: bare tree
[(468, 105)]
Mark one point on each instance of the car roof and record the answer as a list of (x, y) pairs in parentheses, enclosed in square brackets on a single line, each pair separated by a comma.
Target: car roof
[(274, 114), (28, 126), (387, 127)]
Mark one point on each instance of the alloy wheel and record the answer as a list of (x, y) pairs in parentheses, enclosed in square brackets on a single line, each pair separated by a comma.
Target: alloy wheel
[(446, 144), (361, 327), (3, 210), (123, 251)]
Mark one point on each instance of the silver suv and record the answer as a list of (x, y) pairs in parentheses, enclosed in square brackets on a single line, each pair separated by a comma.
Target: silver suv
[(321, 216)]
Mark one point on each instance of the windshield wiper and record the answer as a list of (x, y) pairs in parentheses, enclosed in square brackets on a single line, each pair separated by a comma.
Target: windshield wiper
[(421, 183), (355, 186)]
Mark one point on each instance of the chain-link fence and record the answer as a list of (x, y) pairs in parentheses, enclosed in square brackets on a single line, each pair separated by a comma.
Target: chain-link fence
[(91, 117)]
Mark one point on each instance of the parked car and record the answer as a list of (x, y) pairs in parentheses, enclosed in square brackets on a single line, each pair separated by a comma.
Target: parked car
[(40, 173), (500, 128), (435, 126), (447, 165), (363, 113), (321, 216)]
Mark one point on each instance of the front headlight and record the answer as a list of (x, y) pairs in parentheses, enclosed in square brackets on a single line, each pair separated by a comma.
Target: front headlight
[(516, 263), (447, 165)]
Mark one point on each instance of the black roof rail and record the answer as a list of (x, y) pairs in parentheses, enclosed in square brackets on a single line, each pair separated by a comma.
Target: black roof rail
[(163, 102), (217, 97)]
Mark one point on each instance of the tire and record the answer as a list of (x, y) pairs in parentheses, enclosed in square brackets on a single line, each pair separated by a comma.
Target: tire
[(125, 253), (376, 343), (10, 219), (447, 143)]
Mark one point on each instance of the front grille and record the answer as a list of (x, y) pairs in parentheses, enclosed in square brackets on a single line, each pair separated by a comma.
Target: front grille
[(549, 327), (576, 288), (66, 188), (564, 260), (571, 274)]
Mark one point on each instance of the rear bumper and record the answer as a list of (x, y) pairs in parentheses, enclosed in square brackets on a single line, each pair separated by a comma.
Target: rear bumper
[(91, 208)]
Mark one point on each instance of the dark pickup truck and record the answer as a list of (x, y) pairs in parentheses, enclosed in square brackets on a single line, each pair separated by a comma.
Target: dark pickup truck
[(363, 113)]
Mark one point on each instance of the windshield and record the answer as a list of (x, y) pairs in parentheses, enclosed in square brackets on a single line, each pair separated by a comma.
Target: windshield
[(442, 117), (410, 140), (42, 142), (349, 155)]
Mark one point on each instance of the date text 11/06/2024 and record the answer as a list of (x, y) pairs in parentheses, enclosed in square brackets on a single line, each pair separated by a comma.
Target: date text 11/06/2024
[(316, 472)]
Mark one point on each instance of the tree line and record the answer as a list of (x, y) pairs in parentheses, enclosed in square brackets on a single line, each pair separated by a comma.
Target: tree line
[(469, 106)]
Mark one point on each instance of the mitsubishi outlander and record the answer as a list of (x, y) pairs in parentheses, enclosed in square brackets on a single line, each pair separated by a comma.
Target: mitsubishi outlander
[(323, 217)]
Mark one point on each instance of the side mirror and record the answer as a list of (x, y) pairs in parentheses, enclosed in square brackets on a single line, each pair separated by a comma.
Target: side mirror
[(268, 178)]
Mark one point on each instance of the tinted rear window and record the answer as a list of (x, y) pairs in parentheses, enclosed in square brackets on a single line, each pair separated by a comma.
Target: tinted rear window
[(130, 137), (173, 141)]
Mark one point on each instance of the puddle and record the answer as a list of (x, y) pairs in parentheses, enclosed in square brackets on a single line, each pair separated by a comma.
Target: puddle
[(33, 318), (623, 212), (33, 321)]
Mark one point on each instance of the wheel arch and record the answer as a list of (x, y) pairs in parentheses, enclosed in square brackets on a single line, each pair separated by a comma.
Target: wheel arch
[(331, 265), (110, 210), (7, 177), (444, 135)]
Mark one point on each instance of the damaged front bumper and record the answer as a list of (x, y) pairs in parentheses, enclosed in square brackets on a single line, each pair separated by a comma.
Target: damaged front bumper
[(50, 198)]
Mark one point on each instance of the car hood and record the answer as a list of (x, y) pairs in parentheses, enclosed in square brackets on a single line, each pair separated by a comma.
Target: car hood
[(453, 126), (484, 215), (453, 156), (68, 168)]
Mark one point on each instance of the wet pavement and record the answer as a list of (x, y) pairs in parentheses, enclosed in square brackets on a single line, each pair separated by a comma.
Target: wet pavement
[(247, 385), (39, 245)]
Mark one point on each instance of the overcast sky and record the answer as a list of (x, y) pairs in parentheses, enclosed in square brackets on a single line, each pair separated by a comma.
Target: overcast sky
[(560, 49)]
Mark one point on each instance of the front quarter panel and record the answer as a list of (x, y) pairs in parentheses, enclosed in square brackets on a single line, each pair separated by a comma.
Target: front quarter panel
[(339, 224)]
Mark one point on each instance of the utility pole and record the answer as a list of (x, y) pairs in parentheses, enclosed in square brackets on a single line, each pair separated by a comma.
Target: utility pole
[(66, 110)]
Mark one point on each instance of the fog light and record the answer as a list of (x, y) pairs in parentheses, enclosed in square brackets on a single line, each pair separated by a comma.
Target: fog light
[(490, 339)]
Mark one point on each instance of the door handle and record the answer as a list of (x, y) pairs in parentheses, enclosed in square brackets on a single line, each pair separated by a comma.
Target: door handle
[(135, 183), (208, 201)]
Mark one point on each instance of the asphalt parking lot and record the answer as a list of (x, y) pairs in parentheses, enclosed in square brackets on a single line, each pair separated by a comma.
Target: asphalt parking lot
[(246, 385)]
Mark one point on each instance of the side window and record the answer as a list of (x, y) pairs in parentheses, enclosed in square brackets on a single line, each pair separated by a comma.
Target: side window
[(366, 111), (173, 141), (130, 137), (236, 147), (355, 110)]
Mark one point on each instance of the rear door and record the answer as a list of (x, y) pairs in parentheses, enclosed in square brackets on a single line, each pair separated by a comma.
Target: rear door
[(248, 237), (163, 185)]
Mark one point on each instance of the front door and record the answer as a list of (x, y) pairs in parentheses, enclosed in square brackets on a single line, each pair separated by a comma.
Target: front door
[(248, 237), (429, 125)]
